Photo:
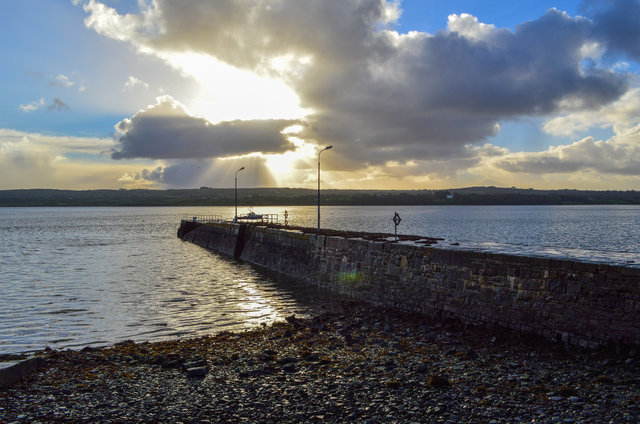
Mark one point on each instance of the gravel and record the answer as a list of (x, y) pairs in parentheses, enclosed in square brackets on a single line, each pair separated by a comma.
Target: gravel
[(359, 366)]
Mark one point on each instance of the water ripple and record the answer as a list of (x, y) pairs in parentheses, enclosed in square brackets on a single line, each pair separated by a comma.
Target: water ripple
[(73, 277), (91, 276)]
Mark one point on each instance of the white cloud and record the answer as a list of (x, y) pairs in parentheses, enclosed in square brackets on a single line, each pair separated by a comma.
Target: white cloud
[(391, 12), (34, 105), (62, 81), (106, 21), (620, 67), (604, 157), (55, 105), (622, 116), (133, 82), (468, 26), (592, 50)]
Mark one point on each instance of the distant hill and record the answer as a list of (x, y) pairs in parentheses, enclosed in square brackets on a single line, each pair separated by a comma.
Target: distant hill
[(205, 196)]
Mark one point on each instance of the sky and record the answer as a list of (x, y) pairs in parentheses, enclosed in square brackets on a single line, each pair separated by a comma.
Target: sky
[(414, 94)]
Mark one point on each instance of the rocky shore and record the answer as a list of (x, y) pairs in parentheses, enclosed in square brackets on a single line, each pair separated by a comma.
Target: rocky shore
[(359, 366)]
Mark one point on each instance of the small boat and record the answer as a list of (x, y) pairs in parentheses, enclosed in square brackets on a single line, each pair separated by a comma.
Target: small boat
[(269, 218), (251, 216)]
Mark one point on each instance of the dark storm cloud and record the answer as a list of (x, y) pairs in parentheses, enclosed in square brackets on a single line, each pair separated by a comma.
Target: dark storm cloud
[(617, 24), (209, 173), (430, 96), (181, 173), (377, 94), (246, 32), (156, 174), (167, 131)]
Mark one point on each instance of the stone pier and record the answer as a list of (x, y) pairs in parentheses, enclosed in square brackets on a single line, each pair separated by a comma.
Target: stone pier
[(579, 303)]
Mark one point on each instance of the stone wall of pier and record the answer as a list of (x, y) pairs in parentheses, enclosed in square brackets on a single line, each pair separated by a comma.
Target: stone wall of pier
[(578, 303), (219, 237)]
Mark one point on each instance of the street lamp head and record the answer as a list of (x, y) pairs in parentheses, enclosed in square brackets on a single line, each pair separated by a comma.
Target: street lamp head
[(326, 148), (240, 169)]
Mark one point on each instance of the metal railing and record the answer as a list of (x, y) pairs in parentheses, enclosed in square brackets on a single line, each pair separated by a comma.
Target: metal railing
[(265, 218), (270, 218), (203, 219)]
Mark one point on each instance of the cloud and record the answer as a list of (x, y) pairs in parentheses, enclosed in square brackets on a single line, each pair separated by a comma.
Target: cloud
[(206, 172), (167, 131), (604, 157), (375, 94), (146, 175), (433, 95), (108, 22), (58, 105), (469, 27), (622, 115), (14, 141), (51, 171), (133, 82), (34, 105), (54, 162), (616, 23), (62, 81)]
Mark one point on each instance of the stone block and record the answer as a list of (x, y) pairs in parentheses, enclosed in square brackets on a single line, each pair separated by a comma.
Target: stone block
[(334, 242), (17, 370)]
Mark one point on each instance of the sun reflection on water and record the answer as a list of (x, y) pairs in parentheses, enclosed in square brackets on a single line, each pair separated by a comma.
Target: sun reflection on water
[(123, 274)]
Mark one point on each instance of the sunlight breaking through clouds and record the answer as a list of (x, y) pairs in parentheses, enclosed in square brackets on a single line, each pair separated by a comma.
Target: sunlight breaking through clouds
[(403, 108), (377, 94)]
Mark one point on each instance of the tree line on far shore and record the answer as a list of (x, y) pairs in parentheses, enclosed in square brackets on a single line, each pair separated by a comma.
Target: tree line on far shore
[(206, 196)]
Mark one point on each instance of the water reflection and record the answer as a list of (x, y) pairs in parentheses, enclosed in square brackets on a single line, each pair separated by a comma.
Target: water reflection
[(91, 276), (83, 277), (255, 305)]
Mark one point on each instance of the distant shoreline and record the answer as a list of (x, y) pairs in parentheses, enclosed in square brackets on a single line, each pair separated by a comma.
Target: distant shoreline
[(205, 196)]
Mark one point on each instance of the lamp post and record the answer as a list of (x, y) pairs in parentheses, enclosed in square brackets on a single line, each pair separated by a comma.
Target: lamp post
[(235, 219), (326, 148)]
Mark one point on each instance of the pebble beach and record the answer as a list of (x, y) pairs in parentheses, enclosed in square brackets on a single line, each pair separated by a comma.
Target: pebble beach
[(360, 365)]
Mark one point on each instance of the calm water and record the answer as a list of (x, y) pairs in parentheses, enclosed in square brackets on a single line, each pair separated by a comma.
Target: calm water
[(72, 277)]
